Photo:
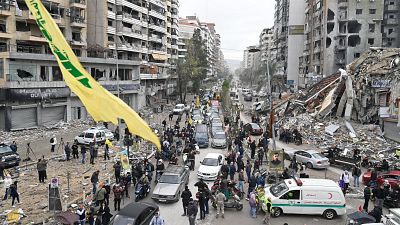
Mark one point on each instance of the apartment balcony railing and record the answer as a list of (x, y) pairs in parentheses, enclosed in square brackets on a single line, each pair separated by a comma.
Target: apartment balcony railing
[(78, 4), (343, 4), (392, 21), (78, 22), (393, 8)]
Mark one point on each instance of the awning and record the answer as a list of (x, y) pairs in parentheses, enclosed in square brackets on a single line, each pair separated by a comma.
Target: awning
[(159, 56)]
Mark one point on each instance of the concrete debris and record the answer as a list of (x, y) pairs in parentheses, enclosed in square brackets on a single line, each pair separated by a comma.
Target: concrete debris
[(331, 129), (352, 132)]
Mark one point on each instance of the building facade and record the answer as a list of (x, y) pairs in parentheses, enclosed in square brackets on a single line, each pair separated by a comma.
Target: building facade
[(120, 43), (337, 32), (391, 24)]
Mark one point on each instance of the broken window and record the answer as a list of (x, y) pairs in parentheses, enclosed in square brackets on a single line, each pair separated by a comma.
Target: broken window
[(22, 26), (328, 42), (358, 11), (357, 55), (354, 27), (391, 3), (76, 36), (329, 27), (331, 14), (371, 41), (390, 31), (353, 40), (342, 27), (372, 11), (57, 76), (391, 16), (44, 73), (371, 27)]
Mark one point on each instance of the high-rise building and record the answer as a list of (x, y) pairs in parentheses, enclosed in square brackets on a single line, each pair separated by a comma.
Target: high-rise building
[(289, 38), (266, 45), (391, 24), (337, 32)]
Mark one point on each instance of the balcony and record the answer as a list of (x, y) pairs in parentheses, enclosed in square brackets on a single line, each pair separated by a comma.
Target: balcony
[(392, 21), (340, 61), (157, 15), (78, 4), (393, 8), (175, 4), (128, 18), (111, 15), (131, 32), (111, 30), (149, 76), (155, 38), (78, 43), (159, 28), (343, 4), (78, 22), (317, 49), (5, 8), (132, 5), (5, 35), (27, 36), (342, 17), (340, 48)]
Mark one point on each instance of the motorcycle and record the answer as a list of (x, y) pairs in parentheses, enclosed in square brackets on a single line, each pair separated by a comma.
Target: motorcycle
[(232, 187), (392, 200), (232, 203), (141, 191)]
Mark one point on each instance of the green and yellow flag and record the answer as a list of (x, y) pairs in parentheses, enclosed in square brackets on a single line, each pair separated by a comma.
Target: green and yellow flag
[(101, 104)]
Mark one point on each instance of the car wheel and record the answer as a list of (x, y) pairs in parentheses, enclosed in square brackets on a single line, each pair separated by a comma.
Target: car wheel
[(329, 214), (309, 165), (277, 212)]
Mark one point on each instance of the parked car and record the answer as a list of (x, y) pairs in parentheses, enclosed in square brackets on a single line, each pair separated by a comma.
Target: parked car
[(91, 136), (392, 176), (210, 166), (197, 119), (201, 135), (109, 133), (215, 129), (8, 156), (136, 213), (253, 129), (171, 184), (218, 140), (248, 97), (311, 158), (180, 109)]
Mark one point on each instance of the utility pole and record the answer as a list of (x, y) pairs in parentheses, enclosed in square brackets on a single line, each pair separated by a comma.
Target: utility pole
[(117, 65)]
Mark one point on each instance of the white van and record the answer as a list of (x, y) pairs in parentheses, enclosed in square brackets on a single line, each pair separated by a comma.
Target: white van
[(90, 136), (307, 196)]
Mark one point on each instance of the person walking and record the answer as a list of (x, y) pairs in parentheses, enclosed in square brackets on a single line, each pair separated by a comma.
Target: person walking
[(202, 201), (7, 183), (356, 172), (117, 189), (346, 181), (92, 152), (253, 204), (104, 211), (53, 143), (268, 207), (232, 171), (100, 195), (157, 219), (14, 193), (107, 146), (241, 182), (252, 185), (95, 179), (67, 150), (81, 214), (117, 171), (220, 200), (379, 194), (248, 170), (192, 211), (41, 167), (75, 152), (186, 196), (83, 153), (367, 196), (253, 147)]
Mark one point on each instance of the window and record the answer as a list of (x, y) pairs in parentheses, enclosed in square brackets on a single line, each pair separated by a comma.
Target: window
[(44, 73), (57, 76), (371, 41), (291, 195), (358, 11), (391, 16), (390, 30), (356, 55), (391, 3), (372, 11), (371, 27), (110, 23)]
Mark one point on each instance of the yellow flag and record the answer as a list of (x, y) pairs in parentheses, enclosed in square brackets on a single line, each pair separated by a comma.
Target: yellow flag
[(101, 104), (198, 101), (124, 161)]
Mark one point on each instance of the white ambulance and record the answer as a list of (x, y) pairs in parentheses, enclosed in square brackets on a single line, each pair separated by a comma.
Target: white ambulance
[(307, 196)]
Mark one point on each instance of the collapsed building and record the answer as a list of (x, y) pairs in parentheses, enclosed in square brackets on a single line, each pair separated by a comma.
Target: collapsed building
[(352, 105)]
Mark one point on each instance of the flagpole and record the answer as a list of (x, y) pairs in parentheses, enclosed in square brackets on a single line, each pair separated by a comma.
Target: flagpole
[(117, 65)]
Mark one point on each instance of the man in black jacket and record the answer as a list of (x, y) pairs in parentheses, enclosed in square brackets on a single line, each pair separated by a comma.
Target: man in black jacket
[(186, 195), (95, 179), (192, 211), (367, 196), (376, 213)]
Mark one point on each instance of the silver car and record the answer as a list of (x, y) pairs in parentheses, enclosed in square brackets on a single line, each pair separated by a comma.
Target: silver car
[(218, 140), (171, 184), (311, 158)]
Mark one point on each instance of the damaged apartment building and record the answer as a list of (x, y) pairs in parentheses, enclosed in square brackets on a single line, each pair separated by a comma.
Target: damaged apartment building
[(339, 31), (128, 46)]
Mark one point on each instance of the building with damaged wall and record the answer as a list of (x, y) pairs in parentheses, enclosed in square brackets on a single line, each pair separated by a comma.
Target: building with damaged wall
[(337, 32)]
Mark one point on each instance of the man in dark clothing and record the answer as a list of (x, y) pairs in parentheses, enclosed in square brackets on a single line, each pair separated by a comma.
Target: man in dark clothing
[(232, 171), (94, 180), (92, 153), (200, 185), (379, 194), (14, 146), (117, 172), (164, 123), (202, 201), (67, 150), (83, 153), (75, 153), (2, 166), (191, 158), (376, 213), (252, 184), (253, 149), (192, 211), (224, 171), (260, 156), (367, 196), (186, 196), (248, 170), (240, 164)]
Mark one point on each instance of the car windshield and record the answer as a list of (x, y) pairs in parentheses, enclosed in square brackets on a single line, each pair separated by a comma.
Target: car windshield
[(201, 135), (89, 135), (318, 156), (5, 149), (219, 136), (197, 117), (169, 179), (210, 162), (278, 189), (255, 126), (120, 219)]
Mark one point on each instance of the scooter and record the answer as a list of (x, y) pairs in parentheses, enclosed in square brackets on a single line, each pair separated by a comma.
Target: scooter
[(233, 203), (392, 199), (141, 191)]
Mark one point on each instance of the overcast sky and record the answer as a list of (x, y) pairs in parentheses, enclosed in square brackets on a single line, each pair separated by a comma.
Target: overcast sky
[(239, 22)]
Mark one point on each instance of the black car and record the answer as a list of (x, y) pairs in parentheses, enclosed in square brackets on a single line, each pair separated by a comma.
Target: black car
[(135, 213), (253, 129), (8, 156)]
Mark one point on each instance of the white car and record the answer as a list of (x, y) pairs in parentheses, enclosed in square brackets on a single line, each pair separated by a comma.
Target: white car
[(109, 134), (210, 166), (90, 136), (180, 109)]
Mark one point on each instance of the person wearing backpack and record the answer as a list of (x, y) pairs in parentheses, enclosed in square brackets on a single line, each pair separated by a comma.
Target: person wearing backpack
[(53, 143)]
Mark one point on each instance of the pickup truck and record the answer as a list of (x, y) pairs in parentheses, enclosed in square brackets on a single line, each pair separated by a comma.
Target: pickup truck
[(180, 109)]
